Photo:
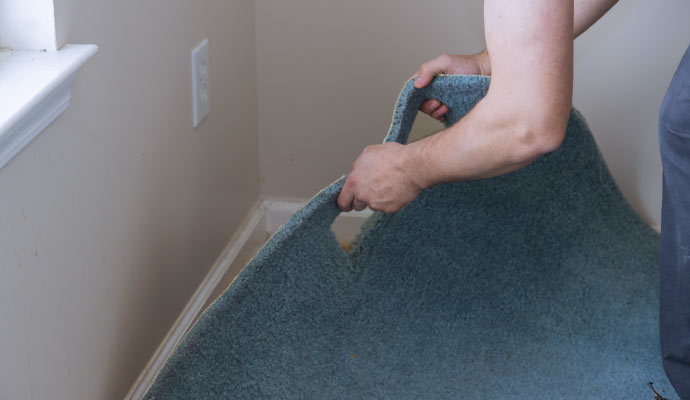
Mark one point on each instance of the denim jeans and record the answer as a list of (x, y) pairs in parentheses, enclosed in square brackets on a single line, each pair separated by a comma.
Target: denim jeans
[(674, 310)]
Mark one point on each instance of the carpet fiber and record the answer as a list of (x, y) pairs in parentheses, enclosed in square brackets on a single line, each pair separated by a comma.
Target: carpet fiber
[(539, 284)]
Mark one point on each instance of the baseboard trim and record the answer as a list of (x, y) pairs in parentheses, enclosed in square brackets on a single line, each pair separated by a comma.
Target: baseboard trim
[(195, 305), (267, 215)]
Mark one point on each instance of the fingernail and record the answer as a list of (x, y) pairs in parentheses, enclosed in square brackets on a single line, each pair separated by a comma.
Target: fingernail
[(418, 81)]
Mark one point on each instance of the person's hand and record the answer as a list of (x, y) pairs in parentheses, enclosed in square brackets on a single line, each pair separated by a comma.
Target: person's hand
[(383, 178), (474, 64)]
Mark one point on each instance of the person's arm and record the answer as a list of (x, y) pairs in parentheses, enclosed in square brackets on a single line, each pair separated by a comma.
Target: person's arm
[(461, 64), (523, 115), (587, 12)]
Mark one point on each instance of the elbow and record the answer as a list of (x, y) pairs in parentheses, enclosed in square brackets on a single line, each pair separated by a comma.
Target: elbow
[(535, 141), (547, 141)]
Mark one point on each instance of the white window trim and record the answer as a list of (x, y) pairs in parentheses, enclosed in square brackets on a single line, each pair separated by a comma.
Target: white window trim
[(35, 88), (28, 25)]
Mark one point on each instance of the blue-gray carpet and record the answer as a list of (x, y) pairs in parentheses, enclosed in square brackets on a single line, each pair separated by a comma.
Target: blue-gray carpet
[(540, 284)]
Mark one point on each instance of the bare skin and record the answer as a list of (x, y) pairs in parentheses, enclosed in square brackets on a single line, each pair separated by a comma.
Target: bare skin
[(523, 116), (587, 12)]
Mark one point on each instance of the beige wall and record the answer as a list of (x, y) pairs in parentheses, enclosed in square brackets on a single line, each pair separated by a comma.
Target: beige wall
[(329, 72), (111, 218), (623, 66)]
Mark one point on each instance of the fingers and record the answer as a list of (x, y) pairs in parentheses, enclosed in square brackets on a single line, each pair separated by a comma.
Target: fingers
[(358, 205), (435, 109), (424, 77), (347, 200), (430, 69), (423, 80), (346, 197), (440, 113), (430, 106)]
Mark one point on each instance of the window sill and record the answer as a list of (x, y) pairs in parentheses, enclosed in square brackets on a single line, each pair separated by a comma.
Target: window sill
[(35, 89)]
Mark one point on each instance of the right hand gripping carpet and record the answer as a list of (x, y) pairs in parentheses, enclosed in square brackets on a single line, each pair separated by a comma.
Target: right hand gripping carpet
[(539, 284)]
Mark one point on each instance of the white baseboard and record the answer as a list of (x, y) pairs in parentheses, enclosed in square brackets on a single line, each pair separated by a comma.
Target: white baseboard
[(266, 216), (194, 307)]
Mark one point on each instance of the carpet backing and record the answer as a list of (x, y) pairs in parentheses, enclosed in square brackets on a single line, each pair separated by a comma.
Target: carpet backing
[(538, 284)]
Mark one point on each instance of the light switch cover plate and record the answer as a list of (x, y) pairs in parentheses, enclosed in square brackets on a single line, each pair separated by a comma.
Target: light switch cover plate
[(200, 82)]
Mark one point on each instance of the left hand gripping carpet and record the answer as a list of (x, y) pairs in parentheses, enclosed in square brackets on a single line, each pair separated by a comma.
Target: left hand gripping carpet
[(539, 284)]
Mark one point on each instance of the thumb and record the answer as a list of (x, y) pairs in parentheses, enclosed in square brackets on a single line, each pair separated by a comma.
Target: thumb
[(423, 79), (430, 69), (346, 196)]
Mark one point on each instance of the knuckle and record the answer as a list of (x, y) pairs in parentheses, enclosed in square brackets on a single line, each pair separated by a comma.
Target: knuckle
[(370, 149), (351, 182), (426, 68)]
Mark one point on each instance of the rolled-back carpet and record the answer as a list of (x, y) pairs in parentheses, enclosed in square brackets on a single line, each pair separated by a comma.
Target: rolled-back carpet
[(539, 284)]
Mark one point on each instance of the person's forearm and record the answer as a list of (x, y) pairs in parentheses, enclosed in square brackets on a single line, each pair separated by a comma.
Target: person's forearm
[(491, 140), (526, 109), (522, 116), (587, 12)]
